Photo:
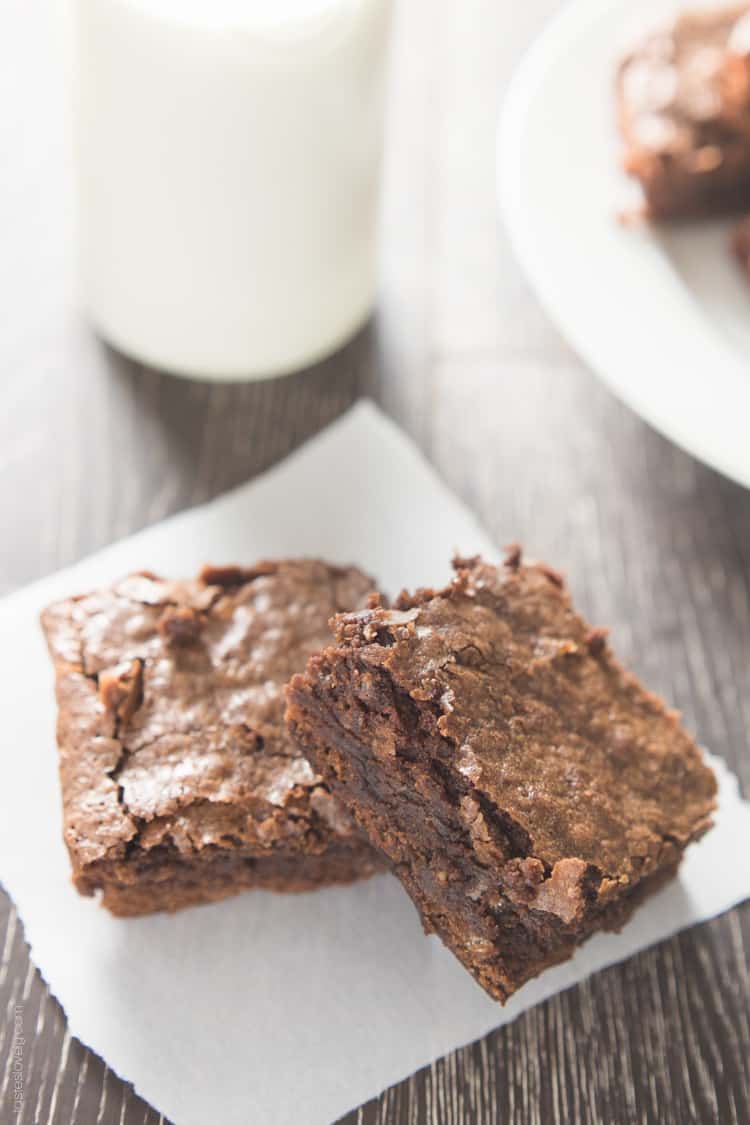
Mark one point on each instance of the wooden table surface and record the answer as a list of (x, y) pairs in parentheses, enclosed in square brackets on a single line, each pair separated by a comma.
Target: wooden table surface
[(93, 447)]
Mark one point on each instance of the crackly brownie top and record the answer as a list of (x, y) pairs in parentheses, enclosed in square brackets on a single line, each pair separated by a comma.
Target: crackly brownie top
[(171, 708), (685, 88), (530, 708)]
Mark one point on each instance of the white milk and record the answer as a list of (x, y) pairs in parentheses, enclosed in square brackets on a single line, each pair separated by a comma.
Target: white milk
[(228, 160)]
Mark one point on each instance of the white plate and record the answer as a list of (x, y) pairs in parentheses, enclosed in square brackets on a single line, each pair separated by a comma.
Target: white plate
[(662, 318)]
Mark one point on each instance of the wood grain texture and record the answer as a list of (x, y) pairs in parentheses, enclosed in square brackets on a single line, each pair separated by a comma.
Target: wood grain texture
[(93, 447)]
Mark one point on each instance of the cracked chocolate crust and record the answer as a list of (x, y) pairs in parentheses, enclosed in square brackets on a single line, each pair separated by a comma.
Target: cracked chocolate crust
[(180, 783), (683, 101), (527, 790)]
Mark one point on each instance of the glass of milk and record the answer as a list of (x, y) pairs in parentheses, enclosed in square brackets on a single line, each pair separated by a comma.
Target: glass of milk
[(228, 159)]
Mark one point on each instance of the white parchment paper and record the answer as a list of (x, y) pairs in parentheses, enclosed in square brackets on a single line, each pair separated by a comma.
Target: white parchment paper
[(268, 1008)]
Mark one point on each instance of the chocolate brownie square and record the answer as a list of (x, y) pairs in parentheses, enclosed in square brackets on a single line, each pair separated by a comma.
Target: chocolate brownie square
[(180, 783), (526, 789), (683, 99)]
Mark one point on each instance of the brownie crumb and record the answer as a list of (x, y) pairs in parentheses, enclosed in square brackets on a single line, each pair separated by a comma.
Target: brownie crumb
[(235, 575), (513, 556), (464, 562), (181, 625), (596, 640), (121, 689), (556, 577)]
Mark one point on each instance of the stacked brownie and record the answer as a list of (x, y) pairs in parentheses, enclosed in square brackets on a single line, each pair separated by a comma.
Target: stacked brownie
[(526, 790), (481, 740)]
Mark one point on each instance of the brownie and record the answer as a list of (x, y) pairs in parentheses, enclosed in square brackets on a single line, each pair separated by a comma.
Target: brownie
[(683, 100), (526, 789), (740, 244), (180, 783)]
